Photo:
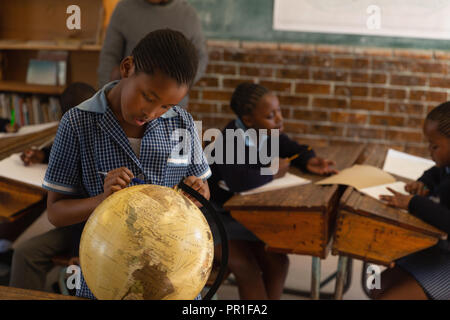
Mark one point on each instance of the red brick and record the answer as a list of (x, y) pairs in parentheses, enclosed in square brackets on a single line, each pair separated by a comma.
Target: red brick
[(365, 133), (295, 127), (326, 130), (313, 142), (408, 80), (413, 53), (202, 107), (259, 45), (368, 77), (194, 94), (217, 95), (407, 108), (215, 55), (388, 93), (367, 105), (312, 88), (329, 103), (382, 52), (293, 100), (207, 82), (442, 55), (351, 63), (387, 120), (351, 91), (440, 82), (390, 64), (277, 86), (233, 83), (415, 122), (346, 117), (212, 122), (255, 71), (427, 95), (402, 135), (299, 47), (330, 75), (286, 113), (334, 49), (310, 115), (420, 151), (429, 67), (292, 73), (221, 69), (315, 61)]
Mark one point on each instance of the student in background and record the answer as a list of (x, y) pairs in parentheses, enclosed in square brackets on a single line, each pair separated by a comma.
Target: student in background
[(5, 126), (259, 274), (133, 19), (72, 96), (126, 130), (425, 274), (32, 259)]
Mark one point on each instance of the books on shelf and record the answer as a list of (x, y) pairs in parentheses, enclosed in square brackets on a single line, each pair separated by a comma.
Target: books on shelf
[(30, 109), (50, 68)]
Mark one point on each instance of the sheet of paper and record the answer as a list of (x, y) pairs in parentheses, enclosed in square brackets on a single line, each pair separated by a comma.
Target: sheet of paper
[(13, 168), (29, 129), (289, 180), (377, 191), (359, 177), (406, 165)]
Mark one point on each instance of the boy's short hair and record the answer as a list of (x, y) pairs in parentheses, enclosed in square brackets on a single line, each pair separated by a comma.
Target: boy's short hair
[(441, 115), (168, 51), (245, 97), (75, 94)]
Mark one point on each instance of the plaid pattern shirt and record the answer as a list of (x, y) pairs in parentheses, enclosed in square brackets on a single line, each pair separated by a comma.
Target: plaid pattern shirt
[(90, 140)]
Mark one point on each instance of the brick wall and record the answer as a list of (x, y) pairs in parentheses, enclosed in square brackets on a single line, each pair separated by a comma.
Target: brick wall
[(330, 93)]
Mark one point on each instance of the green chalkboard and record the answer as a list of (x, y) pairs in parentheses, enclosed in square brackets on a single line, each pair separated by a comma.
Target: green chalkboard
[(253, 20)]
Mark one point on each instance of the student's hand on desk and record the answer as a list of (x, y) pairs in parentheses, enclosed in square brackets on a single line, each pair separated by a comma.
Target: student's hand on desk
[(30, 156), (398, 200), (321, 166), (283, 167), (417, 188), (198, 185), (116, 180), (12, 129)]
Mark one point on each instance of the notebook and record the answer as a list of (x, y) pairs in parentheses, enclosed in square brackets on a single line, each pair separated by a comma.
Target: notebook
[(289, 180)]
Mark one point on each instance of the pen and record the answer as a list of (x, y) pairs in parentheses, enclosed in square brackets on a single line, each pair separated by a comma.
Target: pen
[(134, 180), (295, 156)]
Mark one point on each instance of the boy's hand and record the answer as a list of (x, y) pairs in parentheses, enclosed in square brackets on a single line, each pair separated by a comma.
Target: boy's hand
[(116, 180), (12, 129), (398, 200), (283, 167), (30, 156), (417, 188), (321, 166), (198, 185)]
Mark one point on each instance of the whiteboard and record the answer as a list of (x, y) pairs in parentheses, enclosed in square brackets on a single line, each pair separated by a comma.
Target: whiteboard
[(429, 19)]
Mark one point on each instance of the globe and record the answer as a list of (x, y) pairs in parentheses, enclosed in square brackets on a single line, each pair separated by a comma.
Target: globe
[(146, 242)]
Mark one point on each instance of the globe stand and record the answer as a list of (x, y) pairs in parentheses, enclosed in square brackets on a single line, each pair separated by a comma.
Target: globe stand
[(223, 235)]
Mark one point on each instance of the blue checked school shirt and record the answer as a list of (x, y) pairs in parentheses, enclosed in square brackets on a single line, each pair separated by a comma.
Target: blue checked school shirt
[(90, 140)]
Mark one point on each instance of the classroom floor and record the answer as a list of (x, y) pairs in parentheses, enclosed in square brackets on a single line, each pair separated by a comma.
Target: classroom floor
[(299, 277)]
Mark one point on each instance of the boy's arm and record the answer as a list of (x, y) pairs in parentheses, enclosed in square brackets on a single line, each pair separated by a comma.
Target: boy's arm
[(430, 212), (239, 177), (431, 177), (290, 147)]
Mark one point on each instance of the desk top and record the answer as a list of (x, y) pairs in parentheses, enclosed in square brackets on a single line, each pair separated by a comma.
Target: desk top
[(355, 202), (10, 293), (308, 197)]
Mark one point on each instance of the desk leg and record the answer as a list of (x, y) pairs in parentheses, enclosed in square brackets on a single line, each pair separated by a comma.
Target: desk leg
[(315, 279), (340, 277)]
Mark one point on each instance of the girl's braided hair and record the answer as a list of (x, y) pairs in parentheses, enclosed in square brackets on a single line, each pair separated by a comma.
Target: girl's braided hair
[(245, 97), (441, 115)]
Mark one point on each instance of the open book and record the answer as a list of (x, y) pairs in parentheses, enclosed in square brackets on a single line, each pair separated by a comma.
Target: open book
[(289, 180), (13, 168)]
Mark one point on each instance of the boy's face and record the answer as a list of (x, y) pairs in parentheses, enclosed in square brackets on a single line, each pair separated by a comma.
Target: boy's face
[(439, 145), (145, 97), (266, 114)]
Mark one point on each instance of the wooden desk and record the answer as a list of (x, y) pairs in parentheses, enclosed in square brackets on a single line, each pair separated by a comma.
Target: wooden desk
[(20, 205), (369, 230), (300, 219), (10, 293)]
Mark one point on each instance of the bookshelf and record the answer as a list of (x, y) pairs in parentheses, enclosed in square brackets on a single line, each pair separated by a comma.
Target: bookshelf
[(29, 28)]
